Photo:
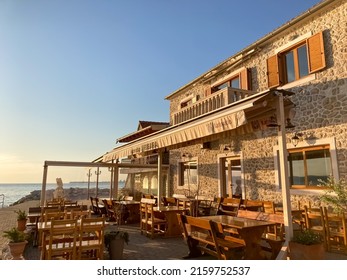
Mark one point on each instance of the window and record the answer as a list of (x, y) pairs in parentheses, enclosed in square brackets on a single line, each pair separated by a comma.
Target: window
[(188, 175), (309, 165), (236, 80), (297, 62)]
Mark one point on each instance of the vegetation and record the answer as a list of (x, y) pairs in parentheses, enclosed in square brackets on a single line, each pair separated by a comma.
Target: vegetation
[(21, 215), (112, 235), (307, 237), (15, 235), (335, 194)]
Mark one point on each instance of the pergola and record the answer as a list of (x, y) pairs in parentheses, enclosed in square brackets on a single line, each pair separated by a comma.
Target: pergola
[(115, 166)]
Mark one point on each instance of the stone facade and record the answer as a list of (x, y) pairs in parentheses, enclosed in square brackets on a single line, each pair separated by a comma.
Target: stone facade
[(321, 110)]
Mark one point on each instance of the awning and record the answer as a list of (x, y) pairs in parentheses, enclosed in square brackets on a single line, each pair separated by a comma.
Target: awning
[(221, 120)]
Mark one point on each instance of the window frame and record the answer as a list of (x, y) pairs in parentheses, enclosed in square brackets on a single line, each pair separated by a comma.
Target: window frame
[(303, 151), (331, 141), (276, 67)]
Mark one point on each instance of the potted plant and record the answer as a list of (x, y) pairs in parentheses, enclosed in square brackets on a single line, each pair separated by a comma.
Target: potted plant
[(306, 245), (21, 219), (17, 242), (114, 242)]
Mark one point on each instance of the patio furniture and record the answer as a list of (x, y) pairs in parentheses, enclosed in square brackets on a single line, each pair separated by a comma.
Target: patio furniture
[(91, 238), (201, 237), (229, 206), (61, 240), (150, 224), (315, 221), (170, 216), (249, 230), (336, 232)]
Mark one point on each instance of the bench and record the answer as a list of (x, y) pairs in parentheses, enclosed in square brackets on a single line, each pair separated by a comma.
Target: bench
[(205, 236), (274, 236)]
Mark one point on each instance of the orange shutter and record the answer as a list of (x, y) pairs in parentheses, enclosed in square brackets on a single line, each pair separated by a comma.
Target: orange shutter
[(273, 75), (244, 80), (315, 46), (208, 91)]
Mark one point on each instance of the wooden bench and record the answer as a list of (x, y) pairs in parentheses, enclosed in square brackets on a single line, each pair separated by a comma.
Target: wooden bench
[(274, 236), (205, 236)]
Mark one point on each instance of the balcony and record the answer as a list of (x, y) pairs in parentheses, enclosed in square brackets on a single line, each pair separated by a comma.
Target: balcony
[(208, 104)]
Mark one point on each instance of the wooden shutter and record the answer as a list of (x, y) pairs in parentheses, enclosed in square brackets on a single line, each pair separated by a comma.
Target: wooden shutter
[(315, 48), (273, 75), (245, 79), (208, 91)]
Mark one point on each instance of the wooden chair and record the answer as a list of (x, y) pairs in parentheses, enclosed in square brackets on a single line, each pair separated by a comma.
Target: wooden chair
[(101, 209), (314, 218), (128, 198), (229, 206), (169, 201), (61, 240), (253, 205), (78, 214), (67, 203), (201, 237), (204, 205), (336, 232), (269, 207), (91, 238), (111, 214), (31, 225), (93, 206), (150, 224)]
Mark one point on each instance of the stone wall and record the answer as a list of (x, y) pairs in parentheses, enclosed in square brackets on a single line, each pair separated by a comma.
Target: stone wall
[(321, 109)]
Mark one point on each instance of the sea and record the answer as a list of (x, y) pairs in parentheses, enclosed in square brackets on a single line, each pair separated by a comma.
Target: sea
[(10, 193)]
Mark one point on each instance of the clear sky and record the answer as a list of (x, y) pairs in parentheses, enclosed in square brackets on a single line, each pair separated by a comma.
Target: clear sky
[(75, 75)]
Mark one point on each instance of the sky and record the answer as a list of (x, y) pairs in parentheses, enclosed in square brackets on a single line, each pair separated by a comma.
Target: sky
[(75, 75)]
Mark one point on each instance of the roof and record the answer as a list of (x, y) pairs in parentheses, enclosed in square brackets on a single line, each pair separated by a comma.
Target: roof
[(144, 128), (254, 47)]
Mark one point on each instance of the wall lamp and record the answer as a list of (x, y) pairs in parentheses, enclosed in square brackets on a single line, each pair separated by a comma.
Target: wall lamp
[(310, 138), (272, 122), (296, 138)]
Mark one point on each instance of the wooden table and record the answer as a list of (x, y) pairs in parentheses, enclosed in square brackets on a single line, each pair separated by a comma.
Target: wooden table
[(130, 210), (170, 212), (248, 229)]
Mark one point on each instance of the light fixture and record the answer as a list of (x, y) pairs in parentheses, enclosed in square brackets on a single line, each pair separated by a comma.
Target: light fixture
[(272, 122), (227, 148), (289, 125), (296, 138)]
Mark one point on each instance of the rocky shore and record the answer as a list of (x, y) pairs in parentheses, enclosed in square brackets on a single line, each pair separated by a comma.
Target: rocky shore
[(70, 194)]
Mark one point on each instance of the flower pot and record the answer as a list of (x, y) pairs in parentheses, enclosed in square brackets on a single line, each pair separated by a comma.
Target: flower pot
[(17, 249), (21, 225), (298, 251), (116, 248)]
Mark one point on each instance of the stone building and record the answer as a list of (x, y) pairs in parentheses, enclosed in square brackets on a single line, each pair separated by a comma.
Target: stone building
[(225, 126)]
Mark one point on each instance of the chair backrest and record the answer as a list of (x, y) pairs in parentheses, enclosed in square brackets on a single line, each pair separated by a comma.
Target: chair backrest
[(314, 218), (269, 207), (336, 231), (147, 195), (91, 238), (169, 201), (128, 198), (79, 214), (62, 240), (253, 205), (199, 235)]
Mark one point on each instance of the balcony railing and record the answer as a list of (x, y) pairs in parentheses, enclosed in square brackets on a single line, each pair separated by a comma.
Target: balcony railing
[(213, 102)]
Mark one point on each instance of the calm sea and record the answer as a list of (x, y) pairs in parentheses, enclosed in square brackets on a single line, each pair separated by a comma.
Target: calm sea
[(13, 192)]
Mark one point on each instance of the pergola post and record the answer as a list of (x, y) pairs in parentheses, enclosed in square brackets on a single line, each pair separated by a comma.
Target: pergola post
[(283, 164), (44, 183), (115, 180), (160, 176)]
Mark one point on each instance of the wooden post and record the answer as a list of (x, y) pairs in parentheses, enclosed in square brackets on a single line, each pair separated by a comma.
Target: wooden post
[(283, 163), (44, 182)]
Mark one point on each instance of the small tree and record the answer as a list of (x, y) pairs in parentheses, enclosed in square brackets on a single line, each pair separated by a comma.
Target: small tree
[(335, 193)]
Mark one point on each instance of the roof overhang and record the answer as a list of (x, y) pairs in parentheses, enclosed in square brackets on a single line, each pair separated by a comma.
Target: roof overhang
[(224, 119)]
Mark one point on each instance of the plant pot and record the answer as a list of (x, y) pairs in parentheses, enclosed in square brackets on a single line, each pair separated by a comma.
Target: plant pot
[(116, 248), (21, 225), (17, 249), (298, 251)]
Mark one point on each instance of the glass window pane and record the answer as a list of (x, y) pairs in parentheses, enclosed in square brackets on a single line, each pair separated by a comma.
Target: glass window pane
[(296, 168), (235, 83), (289, 58), (303, 63), (318, 166), (221, 86)]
